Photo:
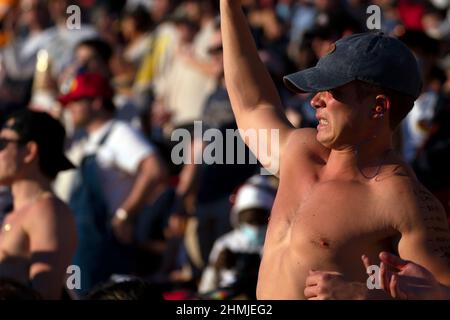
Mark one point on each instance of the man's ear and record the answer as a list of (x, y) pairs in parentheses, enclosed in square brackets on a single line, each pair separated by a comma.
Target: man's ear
[(381, 107), (32, 152)]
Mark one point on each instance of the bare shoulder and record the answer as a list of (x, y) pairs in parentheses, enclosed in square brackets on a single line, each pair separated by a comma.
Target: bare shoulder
[(409, 203), (51, 210)]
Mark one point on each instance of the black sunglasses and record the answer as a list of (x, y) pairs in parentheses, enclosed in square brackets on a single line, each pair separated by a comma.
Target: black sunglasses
[(4, 142)]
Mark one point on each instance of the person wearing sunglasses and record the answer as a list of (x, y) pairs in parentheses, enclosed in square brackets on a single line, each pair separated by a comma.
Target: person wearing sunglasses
[(38, 237)]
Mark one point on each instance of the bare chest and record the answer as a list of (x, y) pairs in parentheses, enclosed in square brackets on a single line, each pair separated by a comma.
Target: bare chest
[(331, 216), (13, 238)]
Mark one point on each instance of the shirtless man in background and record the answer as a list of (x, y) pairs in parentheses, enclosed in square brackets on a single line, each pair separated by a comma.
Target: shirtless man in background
[(343, 192), (38, 238)]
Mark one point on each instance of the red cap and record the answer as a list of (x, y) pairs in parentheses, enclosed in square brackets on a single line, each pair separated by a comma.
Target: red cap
[(87, 85)]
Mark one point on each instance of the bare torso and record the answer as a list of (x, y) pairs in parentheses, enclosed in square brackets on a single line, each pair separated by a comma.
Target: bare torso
[(54, 240), (14, 248), (329, 209), (318, 223)]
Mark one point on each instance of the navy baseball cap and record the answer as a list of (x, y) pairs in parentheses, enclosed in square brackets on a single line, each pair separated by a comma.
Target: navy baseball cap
[(371, 57)]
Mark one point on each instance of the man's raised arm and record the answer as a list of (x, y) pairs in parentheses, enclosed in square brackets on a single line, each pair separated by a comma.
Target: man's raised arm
[(254, 98)]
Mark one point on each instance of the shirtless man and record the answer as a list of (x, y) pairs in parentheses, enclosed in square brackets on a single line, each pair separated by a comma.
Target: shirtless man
[(37, 239), (343, 192)]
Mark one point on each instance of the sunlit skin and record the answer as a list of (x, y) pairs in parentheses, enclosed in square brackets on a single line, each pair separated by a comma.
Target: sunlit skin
[(38, 238), (344, 121), (343, 191), (304, 232), (9, 157)]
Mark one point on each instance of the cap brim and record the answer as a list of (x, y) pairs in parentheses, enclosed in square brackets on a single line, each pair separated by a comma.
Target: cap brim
[(65, 99), (64, 164), (314, 80)]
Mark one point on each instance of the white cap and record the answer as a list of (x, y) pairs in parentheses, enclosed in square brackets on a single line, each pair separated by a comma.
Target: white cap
[(255, 194)]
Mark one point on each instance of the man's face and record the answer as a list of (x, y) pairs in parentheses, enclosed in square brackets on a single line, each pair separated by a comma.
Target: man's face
[(81, 112), (344, 119), (84, 55), (30, 11), (10, 154), (128, 28)]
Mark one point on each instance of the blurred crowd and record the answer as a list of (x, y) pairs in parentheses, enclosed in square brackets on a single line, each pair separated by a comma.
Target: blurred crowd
[(133, 71)]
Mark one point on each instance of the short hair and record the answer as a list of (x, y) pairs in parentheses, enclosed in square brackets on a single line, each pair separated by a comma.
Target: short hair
[(101, 48), (126, 290), (141, 18), (401, 104), (210, 7), (14, 291)]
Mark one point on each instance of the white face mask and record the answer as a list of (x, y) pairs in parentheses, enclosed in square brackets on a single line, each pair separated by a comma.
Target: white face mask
[(254, 234)]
